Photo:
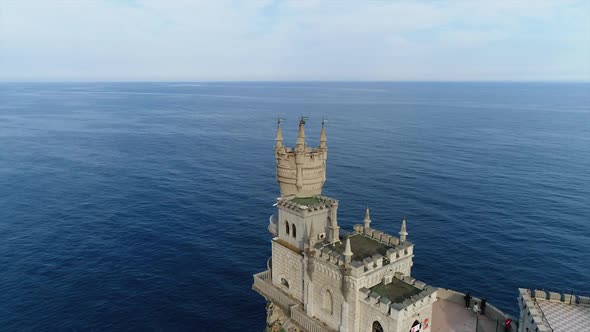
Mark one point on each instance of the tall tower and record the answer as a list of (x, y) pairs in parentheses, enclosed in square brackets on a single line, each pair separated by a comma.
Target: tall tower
[(301, 170)]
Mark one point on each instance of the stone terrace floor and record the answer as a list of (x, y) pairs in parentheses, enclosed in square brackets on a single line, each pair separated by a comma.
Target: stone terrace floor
[(566, 317), (362, 247), (453, 317)]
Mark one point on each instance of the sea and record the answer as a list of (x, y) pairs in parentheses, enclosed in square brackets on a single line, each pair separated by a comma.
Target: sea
[(144, 206)]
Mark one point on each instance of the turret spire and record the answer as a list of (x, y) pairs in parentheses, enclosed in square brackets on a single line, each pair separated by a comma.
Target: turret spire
[(347, 251), (367, 224), (301, 135), (403, 232), (323, 134), (279, 139)]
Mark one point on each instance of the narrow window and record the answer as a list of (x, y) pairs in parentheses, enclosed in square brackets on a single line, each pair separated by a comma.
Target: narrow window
[(284, 282), (327, 302), (287, 227), (294, 231)]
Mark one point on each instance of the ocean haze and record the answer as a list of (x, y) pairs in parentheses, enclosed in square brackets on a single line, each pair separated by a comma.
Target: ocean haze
[(144, 206)]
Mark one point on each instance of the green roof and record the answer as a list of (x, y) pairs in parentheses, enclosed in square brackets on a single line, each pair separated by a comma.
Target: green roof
[(362, 247), (309, 201), (397, 291)]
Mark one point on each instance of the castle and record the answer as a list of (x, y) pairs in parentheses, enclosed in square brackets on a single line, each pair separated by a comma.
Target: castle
[(320, 279)]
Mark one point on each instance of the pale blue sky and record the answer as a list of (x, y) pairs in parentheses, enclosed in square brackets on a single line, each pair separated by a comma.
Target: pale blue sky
[(90, 40)]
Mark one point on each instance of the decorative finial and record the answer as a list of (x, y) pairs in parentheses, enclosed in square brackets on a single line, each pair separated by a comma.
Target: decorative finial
[(403, 232), (347, 251), (367, 223)]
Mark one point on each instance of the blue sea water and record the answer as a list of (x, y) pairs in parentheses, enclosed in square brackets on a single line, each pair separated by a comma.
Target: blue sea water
[(144, 206)]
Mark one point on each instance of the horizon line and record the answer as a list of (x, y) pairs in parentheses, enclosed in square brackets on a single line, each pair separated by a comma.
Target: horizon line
[(295, 81)]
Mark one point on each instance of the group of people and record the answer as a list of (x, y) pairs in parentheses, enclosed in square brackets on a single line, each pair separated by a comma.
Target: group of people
[(481, 307), (476, 307)]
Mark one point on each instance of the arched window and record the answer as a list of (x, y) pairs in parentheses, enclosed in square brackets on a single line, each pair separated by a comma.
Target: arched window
[(287, 227), (294, 231), (377, 327), (328, 304), (284, 282)]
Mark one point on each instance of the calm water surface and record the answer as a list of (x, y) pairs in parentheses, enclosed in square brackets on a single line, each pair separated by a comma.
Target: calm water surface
[(143, 206)]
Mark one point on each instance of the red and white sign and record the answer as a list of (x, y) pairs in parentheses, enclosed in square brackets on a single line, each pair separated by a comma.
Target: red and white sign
[(416, 328)]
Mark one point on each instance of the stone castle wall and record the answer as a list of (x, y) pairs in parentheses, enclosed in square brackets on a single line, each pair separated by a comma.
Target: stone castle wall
[(288, 265)]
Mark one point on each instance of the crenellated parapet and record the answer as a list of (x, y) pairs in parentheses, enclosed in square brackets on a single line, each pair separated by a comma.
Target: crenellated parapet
[(372, 250), (380, 236), (398, 296), (300, 205)]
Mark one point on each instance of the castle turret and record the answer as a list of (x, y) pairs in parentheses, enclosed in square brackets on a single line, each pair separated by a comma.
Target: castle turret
[(367, 223), (403, 232), (301, 171)]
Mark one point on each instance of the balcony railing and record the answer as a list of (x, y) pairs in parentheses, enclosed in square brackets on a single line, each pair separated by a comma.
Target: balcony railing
[(308, 324), (263, 285), (273, 225)]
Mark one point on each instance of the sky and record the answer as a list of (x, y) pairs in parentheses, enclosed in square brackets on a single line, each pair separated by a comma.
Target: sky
[(301, 40)]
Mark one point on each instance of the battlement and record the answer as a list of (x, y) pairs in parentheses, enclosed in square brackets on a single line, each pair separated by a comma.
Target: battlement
[(309, 204), (543, 295), (397, 296), (301, 170), (370, 252)]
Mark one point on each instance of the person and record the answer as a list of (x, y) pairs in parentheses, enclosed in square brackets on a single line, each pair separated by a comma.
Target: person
[(467, 300), (475, 307), (483, 306), (507, 324)]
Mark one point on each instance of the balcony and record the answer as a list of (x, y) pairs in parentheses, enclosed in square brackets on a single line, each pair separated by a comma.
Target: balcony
[(263, 285), (273, 225)]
